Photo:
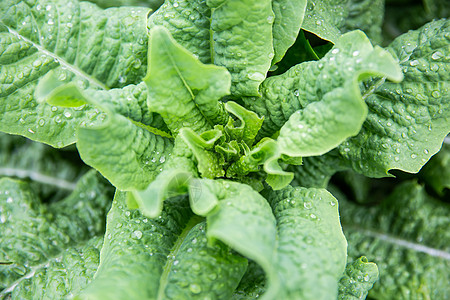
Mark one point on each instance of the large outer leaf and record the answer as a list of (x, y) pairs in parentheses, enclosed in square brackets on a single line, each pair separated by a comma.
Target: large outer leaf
[(34, 234), (407, 236), (409, 120), (309, 235), (234, 34), (324, 18), (329, 107), (311, 248), (182, 89), (348, 62), (53, 173), (63, 275), (366, 15), (163, 258), (139, 157), (289, 16), (188, 23), (242, 34), (82, 43), (329, 19)]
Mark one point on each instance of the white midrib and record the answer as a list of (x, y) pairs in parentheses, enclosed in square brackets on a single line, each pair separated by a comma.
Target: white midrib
[(62, 62), (403, 243), (38, 177), (30, 274), (173, 253)]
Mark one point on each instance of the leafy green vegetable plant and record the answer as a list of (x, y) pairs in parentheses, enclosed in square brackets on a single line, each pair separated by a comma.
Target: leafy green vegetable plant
[(219, 124)]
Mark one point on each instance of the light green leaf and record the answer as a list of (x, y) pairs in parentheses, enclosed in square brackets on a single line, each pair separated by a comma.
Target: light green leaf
[(183, 90), (248, 125), (322, 19), (329, 108), (266, 153), (168, 184), (205, 28), (189, 24), (311, 248), (289, 16), (82, 43), (407, 236), (242, 41), (243, 220), (139, 157), (209, 163), (409, 120), (34, 234), (131, 164), (358, 279), (323, 125), (165, 258)]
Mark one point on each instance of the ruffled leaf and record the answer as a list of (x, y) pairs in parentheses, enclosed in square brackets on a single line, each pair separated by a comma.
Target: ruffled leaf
[(311, 248), (408, 120), (165, 258), (407, 236), (289, 16), (358, 279), (183, 90), (131, 164), (82, 43), (205, 28), (41, 233)]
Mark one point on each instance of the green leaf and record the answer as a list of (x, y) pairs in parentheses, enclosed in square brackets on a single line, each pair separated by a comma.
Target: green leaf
[(164, 258), (329, 108), (189, 24), (205, 28), (247, 126), (244, 221), (316, 171), (358, 279), (209, 164), (34, 234), (131, 164), (311, 248), (61, 276), (366, 15), (250, 52), (436, 173), (407, 236), (177, 91), (81, 43), (409, 120), (289, 16), (168, 184), (322, 20), (52, 173), (153, 4)]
